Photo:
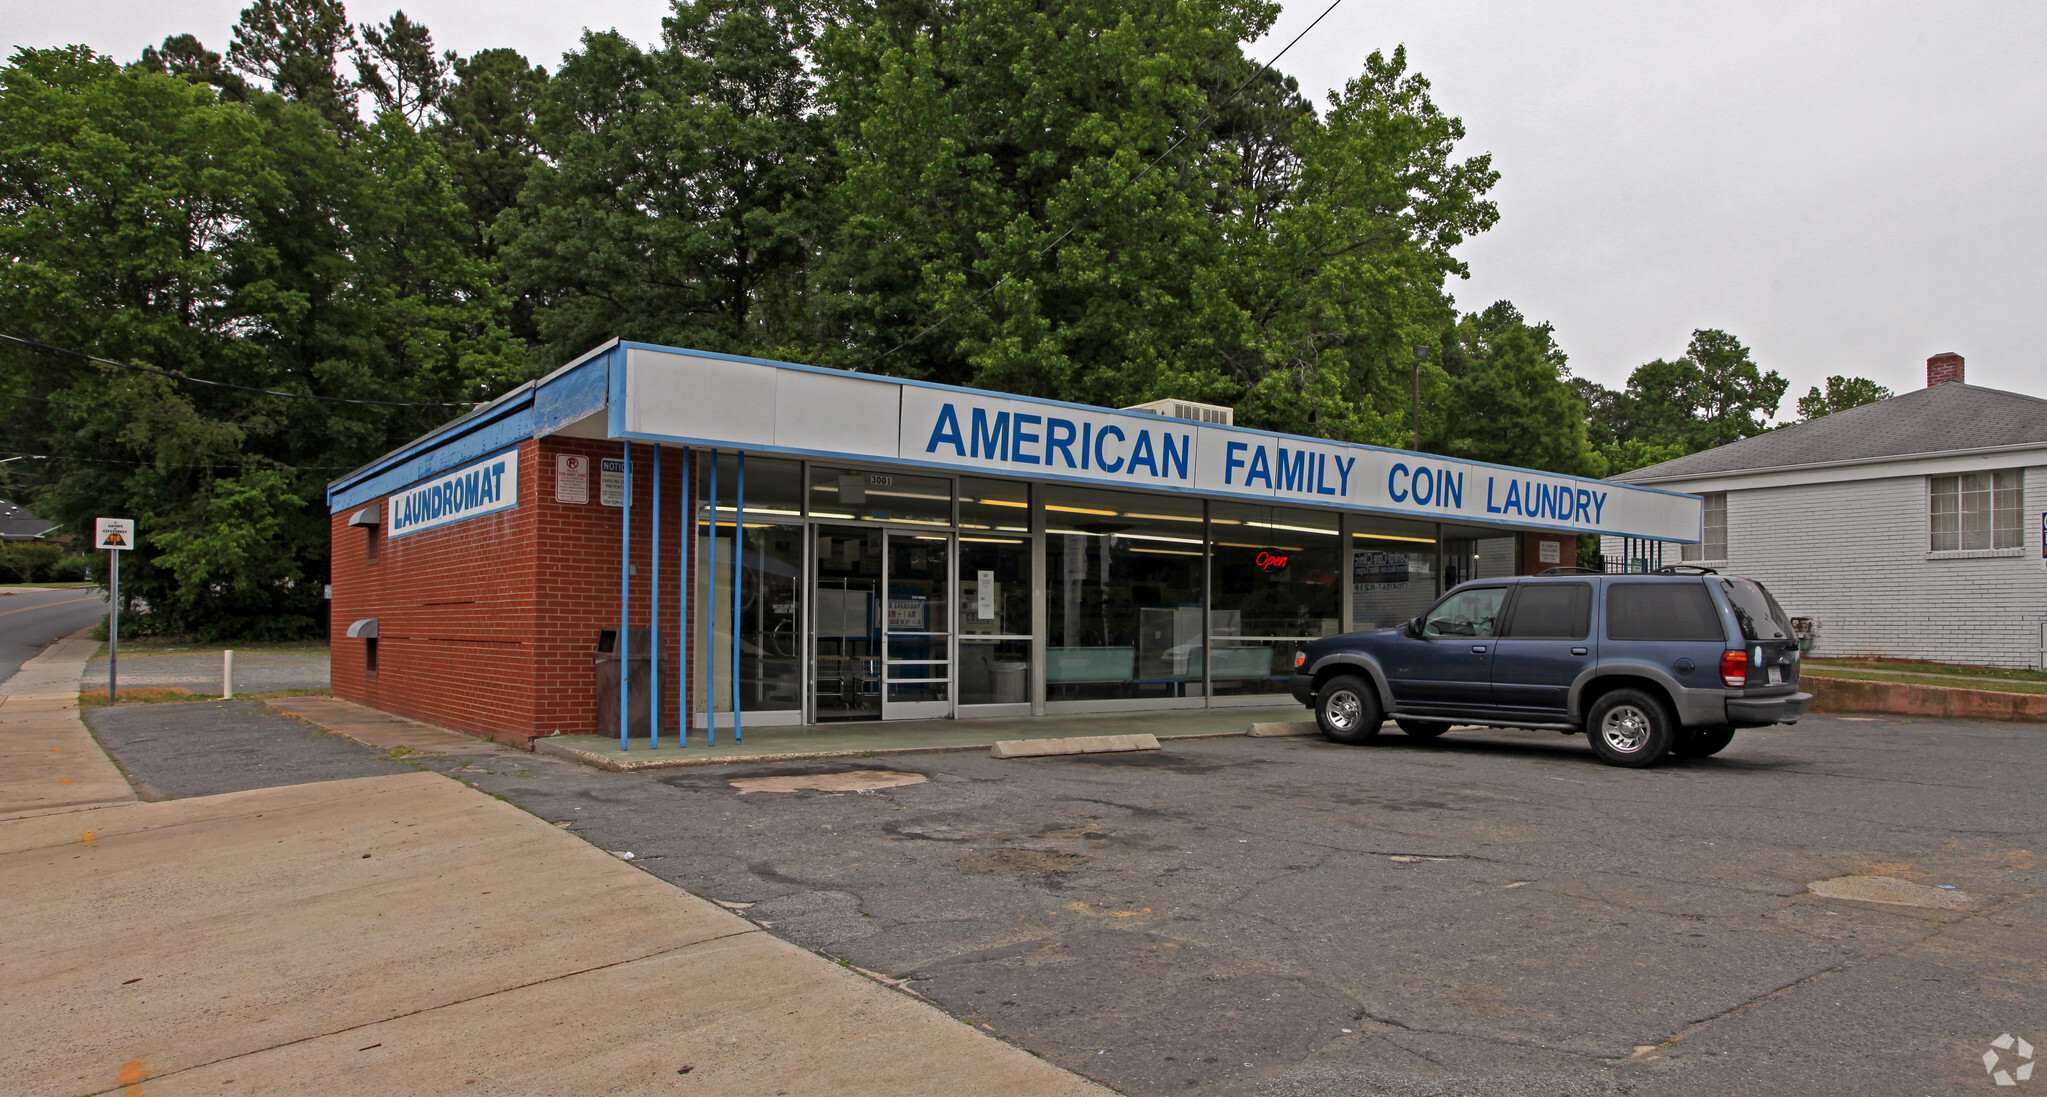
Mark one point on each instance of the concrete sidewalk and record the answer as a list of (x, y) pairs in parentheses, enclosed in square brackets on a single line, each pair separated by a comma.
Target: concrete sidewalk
[(48, 761), (403, 934)]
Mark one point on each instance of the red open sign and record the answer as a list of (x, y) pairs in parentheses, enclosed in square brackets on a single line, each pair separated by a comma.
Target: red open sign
[(1269, 562)]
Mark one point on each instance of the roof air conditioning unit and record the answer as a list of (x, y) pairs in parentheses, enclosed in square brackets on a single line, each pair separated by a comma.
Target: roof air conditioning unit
[(1188, 409)]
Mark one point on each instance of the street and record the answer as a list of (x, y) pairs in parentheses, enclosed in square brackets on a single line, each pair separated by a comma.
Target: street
[(32, 617), (1492, 913)]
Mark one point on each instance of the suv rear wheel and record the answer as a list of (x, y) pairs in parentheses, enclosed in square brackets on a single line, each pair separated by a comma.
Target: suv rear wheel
[(1423, 729), (1703, 742), (1347, 709), (1630, 727)]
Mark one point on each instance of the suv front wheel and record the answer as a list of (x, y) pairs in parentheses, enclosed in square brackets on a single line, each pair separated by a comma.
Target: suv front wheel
[(1630, 727), (1347, 709)]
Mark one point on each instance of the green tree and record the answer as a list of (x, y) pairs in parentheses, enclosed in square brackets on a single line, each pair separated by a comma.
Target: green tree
[(295, 46), (145, 219), (1509, 402), (677, 194), (1714, 395), (184, 55), (398, 66), (1841, 394)]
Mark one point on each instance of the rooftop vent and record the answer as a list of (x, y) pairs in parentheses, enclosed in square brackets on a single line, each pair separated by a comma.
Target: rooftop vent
[(1188, 409)]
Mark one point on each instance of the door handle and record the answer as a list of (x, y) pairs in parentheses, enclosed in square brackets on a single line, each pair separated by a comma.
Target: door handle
[(1478, 649), (1578, 651)]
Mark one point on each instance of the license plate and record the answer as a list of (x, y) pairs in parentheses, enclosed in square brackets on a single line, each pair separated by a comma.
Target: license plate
[(1776, 676)]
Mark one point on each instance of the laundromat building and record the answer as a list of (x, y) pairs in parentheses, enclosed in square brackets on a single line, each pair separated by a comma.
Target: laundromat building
[(754, 544)]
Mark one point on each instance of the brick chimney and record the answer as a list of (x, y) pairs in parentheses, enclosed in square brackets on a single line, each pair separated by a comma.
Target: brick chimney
[(1942, 368)]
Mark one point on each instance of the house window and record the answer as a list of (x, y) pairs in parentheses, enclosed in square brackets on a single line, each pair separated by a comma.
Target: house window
[(1713, 543), (1976, 510)]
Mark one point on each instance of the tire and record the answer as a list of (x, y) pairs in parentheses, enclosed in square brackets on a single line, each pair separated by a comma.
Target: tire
[(1347, 709), (1423, 729), (1703, 742), (1631, 727)]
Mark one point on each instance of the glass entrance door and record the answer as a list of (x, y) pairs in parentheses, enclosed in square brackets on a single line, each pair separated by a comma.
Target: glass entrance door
[(917, 624), (845, 623)]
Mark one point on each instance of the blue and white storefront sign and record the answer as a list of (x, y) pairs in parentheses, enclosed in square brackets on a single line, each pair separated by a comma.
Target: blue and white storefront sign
[(713, 400), (486, 487)]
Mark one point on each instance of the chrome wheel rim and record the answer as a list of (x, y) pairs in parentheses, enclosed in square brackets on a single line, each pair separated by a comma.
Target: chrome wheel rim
[(1344, 710), (1625, 729)]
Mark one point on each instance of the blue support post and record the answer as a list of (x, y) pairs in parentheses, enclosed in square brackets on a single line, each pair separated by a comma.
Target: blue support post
[(683, 667), (738, 582), (711, 619), (625, 601), (654, 616)]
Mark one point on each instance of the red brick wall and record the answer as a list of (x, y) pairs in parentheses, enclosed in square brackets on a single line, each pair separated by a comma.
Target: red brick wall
[(487, 625), (1531, 552)]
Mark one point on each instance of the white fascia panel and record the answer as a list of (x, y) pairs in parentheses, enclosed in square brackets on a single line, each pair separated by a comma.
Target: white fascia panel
[(830, 413), (689, 396)]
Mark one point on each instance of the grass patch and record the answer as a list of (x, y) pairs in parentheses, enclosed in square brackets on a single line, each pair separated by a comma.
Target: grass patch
[(1992, 685), (1925, 667), (141, 695)]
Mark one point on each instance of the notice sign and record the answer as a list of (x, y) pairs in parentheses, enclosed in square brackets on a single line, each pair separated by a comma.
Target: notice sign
[(906, 614), (486, 487), (113, 533), (1375, 569), (1549, 552), (984, 594), (571, 478), (611, 482)]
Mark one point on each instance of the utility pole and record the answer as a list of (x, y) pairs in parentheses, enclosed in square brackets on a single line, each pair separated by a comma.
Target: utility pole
[(1421, 354)]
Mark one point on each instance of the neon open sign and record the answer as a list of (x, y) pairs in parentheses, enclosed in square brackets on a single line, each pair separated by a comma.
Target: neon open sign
[(1269, 562)]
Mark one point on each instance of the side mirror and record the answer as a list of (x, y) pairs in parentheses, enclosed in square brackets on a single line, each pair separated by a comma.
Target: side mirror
[(1414, 627)]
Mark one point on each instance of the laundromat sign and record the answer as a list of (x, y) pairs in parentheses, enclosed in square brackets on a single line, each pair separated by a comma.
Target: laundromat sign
[(1023, 438), (486, 487)]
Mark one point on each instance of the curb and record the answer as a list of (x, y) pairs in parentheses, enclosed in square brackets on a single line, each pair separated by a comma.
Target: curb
[(1906, 699)]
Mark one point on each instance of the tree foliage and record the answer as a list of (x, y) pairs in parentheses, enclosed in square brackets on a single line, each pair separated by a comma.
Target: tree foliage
[(1841, 394), (1099, 201), (146, 218), (1715, 394)]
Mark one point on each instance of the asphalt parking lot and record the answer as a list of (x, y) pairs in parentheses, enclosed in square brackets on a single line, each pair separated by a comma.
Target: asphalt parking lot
[(1492, 913)]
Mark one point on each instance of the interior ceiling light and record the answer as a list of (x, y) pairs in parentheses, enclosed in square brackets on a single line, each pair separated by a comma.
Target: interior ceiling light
[(1083, 510)]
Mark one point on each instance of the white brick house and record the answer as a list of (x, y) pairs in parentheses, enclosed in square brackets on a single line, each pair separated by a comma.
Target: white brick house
[(1909, 528)]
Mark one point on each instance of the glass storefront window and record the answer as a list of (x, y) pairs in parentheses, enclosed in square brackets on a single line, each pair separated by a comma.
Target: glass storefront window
[(1393, 571), (766, 560), (1273, 586), (1124, 578), (893, 497)]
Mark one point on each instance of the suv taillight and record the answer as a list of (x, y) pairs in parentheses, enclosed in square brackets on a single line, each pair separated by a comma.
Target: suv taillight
[(1734, 668)]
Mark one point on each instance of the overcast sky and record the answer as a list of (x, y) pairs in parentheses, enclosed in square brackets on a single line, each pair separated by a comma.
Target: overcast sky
[(1847, 187)]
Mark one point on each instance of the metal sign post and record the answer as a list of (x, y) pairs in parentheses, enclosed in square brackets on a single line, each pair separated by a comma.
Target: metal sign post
[(116, 535)]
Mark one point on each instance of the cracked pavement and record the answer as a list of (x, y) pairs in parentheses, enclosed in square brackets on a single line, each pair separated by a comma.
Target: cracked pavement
[(1489, 913)]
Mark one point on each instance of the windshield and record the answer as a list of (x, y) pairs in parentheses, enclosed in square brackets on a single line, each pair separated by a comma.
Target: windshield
[(1760, 616)]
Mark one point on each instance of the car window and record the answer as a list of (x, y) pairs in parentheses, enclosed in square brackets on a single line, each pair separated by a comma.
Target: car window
[(1662, 611), (1760, 616), (1552, 611), (1466, 613)]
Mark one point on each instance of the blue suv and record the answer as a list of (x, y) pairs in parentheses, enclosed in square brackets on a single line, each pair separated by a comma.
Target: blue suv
[(1644, 664)]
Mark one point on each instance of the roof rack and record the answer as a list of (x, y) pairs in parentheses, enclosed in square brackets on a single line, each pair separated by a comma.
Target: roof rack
[(1570, 570), (1686, 569)]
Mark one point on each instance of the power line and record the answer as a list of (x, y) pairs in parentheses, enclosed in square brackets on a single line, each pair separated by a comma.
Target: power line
[(216, 422), (1127, 184), (227, 385), (177, 465)]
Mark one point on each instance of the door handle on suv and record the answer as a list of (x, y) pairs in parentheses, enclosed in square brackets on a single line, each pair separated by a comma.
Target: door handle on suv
[(1478, 649), (1578, 651)]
